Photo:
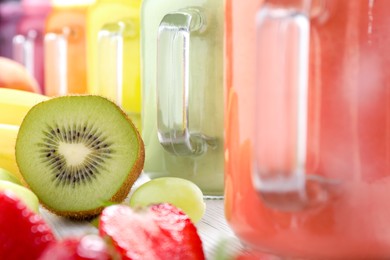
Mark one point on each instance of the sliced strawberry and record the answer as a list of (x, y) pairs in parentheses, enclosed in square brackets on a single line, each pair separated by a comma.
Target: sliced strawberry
[(89, 247), (24, 234), (161, 231)]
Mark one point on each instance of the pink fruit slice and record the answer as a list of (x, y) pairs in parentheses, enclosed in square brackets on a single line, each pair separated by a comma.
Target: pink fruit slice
[(89, 247), (161, 231), (24, 234)]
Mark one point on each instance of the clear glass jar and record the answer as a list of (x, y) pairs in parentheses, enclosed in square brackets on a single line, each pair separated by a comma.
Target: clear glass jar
[(10, 13), (113, 53), (28, 42), (65, 48), (182, 90)]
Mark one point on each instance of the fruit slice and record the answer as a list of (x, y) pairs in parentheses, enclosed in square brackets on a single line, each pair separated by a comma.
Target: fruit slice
[(77, 153), (89, 247), (161, 231), (15, 104), (7, 176), (8, 134), (22, 193), (14, 75), (182, 193), (24, 235)]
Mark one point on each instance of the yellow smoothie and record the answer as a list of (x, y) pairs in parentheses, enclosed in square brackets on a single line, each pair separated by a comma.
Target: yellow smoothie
[(113, 53)]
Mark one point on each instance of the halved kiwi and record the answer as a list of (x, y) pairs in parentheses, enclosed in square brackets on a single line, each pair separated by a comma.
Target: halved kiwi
[(77, 153)]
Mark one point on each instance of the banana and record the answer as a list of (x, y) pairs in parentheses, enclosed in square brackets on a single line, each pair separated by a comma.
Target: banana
[(8, 134), (14, 105)]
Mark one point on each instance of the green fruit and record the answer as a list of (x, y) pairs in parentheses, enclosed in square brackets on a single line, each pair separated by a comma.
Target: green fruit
[(7, 176), (181, 193), (95, 221), (24, 194), (76, 153)]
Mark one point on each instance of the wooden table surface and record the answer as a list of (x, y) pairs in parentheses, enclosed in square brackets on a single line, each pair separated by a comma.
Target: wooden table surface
[(212, 228)]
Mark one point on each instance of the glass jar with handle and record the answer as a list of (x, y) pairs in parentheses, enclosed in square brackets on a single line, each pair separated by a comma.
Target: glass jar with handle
[(10, 12), (65, 48), (28, 42), (113, 51), (182, 82), (307, 139)]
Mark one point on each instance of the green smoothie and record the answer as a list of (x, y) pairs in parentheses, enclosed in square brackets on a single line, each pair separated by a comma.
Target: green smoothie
[(202, 109)]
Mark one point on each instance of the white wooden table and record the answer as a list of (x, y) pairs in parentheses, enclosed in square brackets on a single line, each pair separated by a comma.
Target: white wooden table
[(212, 228)]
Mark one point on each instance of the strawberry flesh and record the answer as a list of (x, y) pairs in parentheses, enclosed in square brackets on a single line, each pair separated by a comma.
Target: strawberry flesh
[(24, 234), (161, 231), (89, 247)]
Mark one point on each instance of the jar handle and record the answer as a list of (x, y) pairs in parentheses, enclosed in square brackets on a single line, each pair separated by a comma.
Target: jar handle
[(23, 50), (281, 106), (56, 62), (173, 83), (110, 71)]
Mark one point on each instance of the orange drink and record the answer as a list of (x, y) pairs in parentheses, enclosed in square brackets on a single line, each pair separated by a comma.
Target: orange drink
[(65, 48)]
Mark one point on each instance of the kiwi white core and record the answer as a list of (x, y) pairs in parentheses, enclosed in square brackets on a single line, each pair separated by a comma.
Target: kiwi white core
[(75, 154)]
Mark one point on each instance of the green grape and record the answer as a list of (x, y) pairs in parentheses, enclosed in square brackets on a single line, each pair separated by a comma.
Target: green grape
[(7, 176), (179, 192), (22, 193)]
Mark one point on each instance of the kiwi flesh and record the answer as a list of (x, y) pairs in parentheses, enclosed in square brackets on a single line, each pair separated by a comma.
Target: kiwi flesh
[(76, 153)]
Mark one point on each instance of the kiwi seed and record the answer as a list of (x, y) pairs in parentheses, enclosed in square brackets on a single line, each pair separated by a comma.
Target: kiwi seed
[(93, 140)]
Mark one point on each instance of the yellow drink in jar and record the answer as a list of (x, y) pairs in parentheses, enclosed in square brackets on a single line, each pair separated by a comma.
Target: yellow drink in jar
[(113, 53)]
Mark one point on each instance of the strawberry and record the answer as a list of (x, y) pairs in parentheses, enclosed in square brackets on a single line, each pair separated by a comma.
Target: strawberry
[(24, 234), (161, 231), (89, 247)]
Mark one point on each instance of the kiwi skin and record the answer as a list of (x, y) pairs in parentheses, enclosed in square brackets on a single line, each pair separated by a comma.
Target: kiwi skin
[(121, 193)]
